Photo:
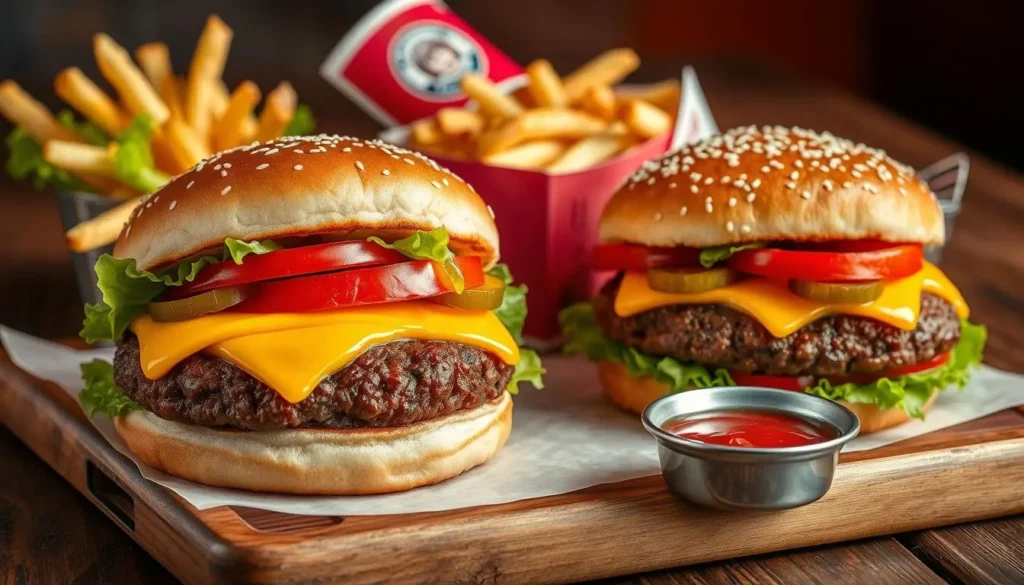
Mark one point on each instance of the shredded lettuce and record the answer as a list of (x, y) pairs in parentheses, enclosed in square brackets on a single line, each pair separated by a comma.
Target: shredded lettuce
[(432, 245), (25, 162), (100, 393), (89, 132), (127, 290), (302, 123), (133, 159), (909, 393), (711, 256)]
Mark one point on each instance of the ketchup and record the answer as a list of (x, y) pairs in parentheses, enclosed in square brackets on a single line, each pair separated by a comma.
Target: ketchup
[(750, 428)]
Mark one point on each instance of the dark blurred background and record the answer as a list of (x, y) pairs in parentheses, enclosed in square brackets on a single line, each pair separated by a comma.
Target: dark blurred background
[(951, 66)]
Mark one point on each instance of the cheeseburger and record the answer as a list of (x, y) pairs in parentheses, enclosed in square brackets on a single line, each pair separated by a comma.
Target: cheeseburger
[(310, 315), (779, 258)]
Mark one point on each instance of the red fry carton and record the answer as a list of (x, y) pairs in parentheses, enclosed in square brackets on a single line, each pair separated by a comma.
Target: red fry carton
[(403, 61)]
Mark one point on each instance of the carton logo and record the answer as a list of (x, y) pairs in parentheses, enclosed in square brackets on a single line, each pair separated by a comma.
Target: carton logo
[(430, 58)]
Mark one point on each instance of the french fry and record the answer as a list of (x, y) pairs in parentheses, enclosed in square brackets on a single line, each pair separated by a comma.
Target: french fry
[(277, 112), (664, 94), (23, 110), (426, 133), (608, 68), (187, 148), (229, 131), (489, 97), (599, 101), (539, 124), (205, 72), (132, 86), (155, 61), (545, 85), (460, 122), (164, 158), (530, 155), (220, 99), (79, 158), (588, 152), (102, 229), (646, 120), (72, 86)]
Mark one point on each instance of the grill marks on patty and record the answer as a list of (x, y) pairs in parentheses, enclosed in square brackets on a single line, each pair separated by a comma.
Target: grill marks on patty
[(718, 336), (393, 384)]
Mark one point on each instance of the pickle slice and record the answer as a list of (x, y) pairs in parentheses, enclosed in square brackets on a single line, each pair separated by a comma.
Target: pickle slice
[(689, 279), (204, 303), (486, 297), (847, 293)]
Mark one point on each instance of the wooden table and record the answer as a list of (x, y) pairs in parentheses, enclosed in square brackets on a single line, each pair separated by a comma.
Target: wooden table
[(50, 534)]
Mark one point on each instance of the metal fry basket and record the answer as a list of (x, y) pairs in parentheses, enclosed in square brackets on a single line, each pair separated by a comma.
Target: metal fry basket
[(948, 180)]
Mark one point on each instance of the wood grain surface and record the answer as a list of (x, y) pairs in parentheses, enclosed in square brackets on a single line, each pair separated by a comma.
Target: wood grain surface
[(78, 544)]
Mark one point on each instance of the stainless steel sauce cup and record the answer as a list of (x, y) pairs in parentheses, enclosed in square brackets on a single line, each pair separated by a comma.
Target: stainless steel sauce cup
[(749, 478)]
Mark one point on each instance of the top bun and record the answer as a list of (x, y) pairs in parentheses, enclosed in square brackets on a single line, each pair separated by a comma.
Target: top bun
[(299, 186), (771, 184)]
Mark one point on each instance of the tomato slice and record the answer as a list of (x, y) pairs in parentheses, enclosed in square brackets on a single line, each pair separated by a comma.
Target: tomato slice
[(415, 279), (638, 258), (896, 261), (800, 383), (289, 262)]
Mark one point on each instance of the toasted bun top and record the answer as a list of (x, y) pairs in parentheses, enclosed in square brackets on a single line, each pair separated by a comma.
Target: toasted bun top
[(300, 186), (770, 184)]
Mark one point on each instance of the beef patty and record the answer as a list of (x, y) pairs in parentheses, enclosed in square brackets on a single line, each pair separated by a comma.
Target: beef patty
[(718, 336), (392, 384)]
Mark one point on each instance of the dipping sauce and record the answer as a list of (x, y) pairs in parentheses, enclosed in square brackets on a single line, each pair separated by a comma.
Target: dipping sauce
[(750, 428)]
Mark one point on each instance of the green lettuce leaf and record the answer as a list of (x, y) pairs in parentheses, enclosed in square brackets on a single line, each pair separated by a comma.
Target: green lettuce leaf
[(529, 369), (127, 290), (909, 393), (432, 245), (100, 393), (25, 162), (133, 158), (512, 312), (302, 123), (89, 132), (711, 256)]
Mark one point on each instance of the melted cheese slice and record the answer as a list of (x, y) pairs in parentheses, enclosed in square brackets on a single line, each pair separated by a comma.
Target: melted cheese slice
[(781, 312), (293, 352)]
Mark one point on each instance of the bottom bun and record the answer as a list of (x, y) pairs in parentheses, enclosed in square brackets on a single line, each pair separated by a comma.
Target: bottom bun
[(321, 461), (634, 393)]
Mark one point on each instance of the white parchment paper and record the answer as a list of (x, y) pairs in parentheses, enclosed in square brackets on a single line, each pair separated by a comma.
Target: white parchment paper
[(564, 438)]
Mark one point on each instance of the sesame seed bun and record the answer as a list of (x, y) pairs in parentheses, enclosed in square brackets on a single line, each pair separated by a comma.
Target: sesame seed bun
[(300, 186), (321, 461), (770, 184), (634, 393)]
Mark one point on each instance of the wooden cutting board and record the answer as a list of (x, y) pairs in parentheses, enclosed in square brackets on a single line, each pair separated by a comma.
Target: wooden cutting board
[(968, 472)]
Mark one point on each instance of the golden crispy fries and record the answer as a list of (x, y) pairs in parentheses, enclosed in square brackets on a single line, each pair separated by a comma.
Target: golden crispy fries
[(426, 132), (132, 86), (589, 152), (72, 86), (599, 101), (205, 72), (155, 61), (646, 120), (230, 131), (22, 110), (664, 94), (539, 124), (277, 112), (489, 97), (220, 99), (459, 122), (187, 148), (545, 85), (79, 158), (608, 68), (102, 229), (530, 155)]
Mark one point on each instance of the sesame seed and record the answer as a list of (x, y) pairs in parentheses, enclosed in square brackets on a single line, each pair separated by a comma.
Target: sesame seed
[(694, 189), (777, 164), (262, 166), (794, 175), (271, 151), (172, 205), (766, 169), (359, 165), (346, 149), (755, 183), (751, 197), (408, 160), (650, 181), (490, 211), (798, 163), (856, 174), (657, 216), (682, 210), (726, 180), (903, 191), (227, 165), (225, 190), (847, 184), (385, 172), (297, 167), (709, 181), (445, 181), (298, 151), (729, 226), (732, 202), (190, 183), (223, 173), (745, 228), (827, 185), (672, 185), (436, 184), (791, 184), (806, 194), (218, 167)]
